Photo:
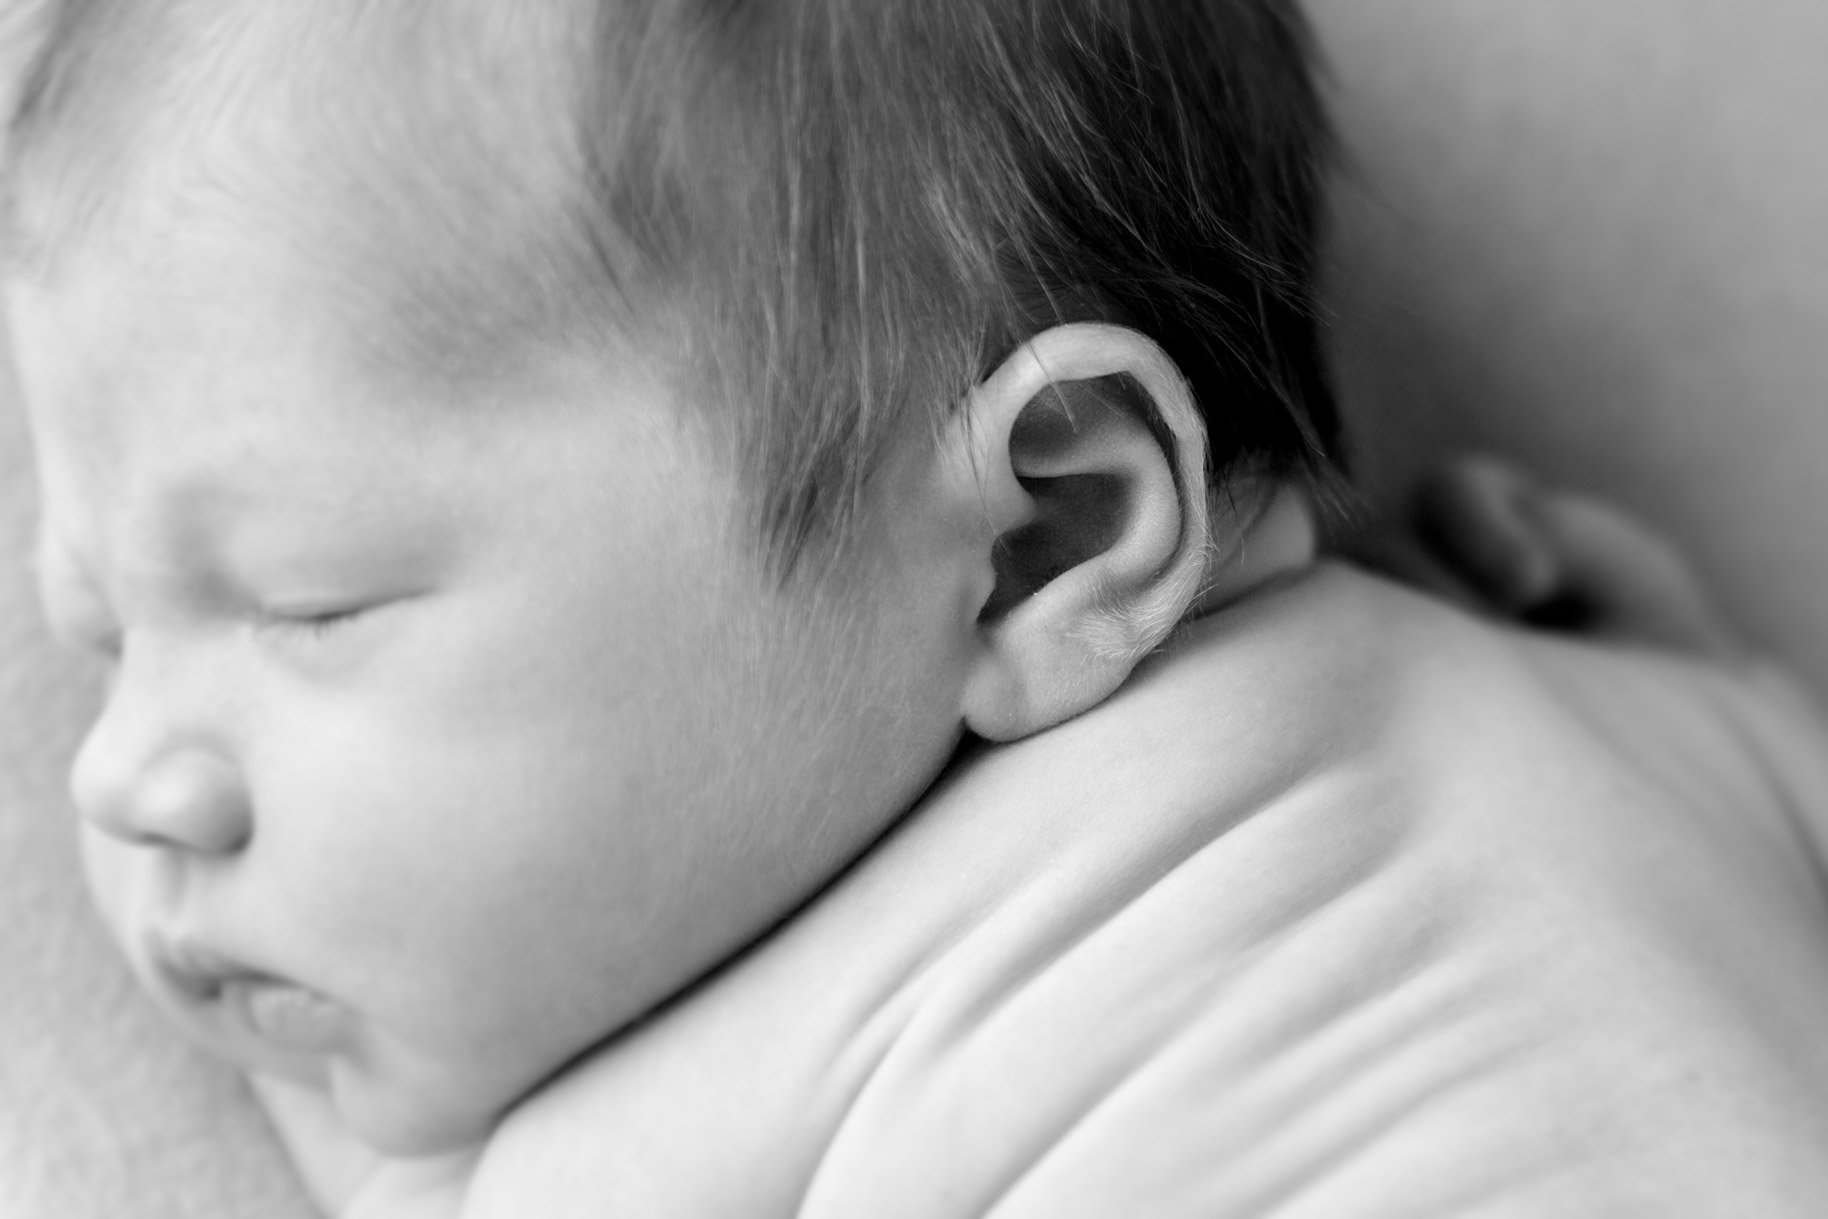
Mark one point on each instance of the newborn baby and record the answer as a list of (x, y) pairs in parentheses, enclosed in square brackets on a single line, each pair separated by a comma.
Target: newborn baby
[(553, 488)]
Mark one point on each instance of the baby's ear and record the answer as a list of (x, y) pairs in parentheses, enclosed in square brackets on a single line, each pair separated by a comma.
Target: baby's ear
[(1088, 456)]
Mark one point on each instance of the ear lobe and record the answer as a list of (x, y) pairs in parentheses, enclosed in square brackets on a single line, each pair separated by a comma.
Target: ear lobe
[(1097, 493)]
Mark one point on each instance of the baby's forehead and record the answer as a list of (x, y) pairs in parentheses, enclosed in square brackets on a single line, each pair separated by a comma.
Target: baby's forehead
[(414, 159), (228, 410)]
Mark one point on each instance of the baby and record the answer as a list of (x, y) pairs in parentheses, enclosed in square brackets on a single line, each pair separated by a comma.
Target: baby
[(554, 485)]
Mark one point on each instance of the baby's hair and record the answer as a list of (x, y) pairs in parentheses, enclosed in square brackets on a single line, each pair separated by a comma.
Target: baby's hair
[(840, 213)]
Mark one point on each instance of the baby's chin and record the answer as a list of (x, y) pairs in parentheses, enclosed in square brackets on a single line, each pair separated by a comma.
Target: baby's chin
[(399, 1124), (409, 1117), (391, 1098)]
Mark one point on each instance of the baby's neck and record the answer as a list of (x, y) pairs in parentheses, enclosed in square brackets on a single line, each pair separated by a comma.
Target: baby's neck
[(1274, 536)]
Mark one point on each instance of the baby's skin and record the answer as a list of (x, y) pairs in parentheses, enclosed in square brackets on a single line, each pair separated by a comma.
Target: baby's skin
[(471, 774), (1348, 904), (452, 727)]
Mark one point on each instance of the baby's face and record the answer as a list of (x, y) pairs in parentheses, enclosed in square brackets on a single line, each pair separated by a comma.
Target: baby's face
[(444, 732)]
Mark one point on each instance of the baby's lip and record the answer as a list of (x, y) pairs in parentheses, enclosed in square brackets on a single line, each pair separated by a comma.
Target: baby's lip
[(198, 972), (276, 1010)]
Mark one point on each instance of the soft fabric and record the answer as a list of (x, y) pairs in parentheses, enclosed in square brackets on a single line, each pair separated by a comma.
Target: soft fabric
[(1347, 905)]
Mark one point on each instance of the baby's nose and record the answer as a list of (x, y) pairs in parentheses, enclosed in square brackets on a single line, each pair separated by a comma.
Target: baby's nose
[(182, 795)]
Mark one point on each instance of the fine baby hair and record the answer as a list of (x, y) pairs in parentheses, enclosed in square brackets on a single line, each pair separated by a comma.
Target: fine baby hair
[(553, 484), (840, 215)]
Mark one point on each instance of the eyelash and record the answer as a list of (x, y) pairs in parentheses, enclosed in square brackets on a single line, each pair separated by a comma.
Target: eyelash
[(313, 626)]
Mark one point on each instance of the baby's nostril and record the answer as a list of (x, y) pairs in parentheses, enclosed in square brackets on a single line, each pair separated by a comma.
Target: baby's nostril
[(189, 799)]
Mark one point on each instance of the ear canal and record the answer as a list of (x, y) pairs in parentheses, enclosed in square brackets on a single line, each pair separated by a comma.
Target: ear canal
[(1066, 450), (1099, 429)]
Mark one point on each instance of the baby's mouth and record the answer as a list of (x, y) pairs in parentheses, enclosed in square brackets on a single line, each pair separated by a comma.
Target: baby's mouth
[(281, 1013), (288, 1015)]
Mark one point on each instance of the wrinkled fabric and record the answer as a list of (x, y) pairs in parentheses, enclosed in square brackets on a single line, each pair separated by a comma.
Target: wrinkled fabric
[(1348, 906)]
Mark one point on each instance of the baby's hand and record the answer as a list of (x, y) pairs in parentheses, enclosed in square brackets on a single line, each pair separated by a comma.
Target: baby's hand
[(1560, 560), (1482, 532)]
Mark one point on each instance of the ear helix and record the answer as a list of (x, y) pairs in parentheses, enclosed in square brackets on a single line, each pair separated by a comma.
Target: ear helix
[(1087, 350), (1071, 642)]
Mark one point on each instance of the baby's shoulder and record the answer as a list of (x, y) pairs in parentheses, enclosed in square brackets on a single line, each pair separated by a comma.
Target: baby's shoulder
[(1338, 693), (1327, 795), (1338, 660), (1298, 676)]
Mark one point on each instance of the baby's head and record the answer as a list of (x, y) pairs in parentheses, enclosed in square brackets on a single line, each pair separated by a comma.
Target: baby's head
[(552, 483)]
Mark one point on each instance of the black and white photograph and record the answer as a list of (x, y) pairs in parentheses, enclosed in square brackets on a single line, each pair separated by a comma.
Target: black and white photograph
[(913, 609)]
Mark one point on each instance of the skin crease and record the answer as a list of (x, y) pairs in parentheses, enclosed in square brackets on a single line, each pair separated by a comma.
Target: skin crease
[(494, 686)]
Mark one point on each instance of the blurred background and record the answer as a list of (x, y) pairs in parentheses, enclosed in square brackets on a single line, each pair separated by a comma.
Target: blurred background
[(1593, 235)]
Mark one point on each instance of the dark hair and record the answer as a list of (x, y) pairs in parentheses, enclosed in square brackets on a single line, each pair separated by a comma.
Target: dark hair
[(858, 207)]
